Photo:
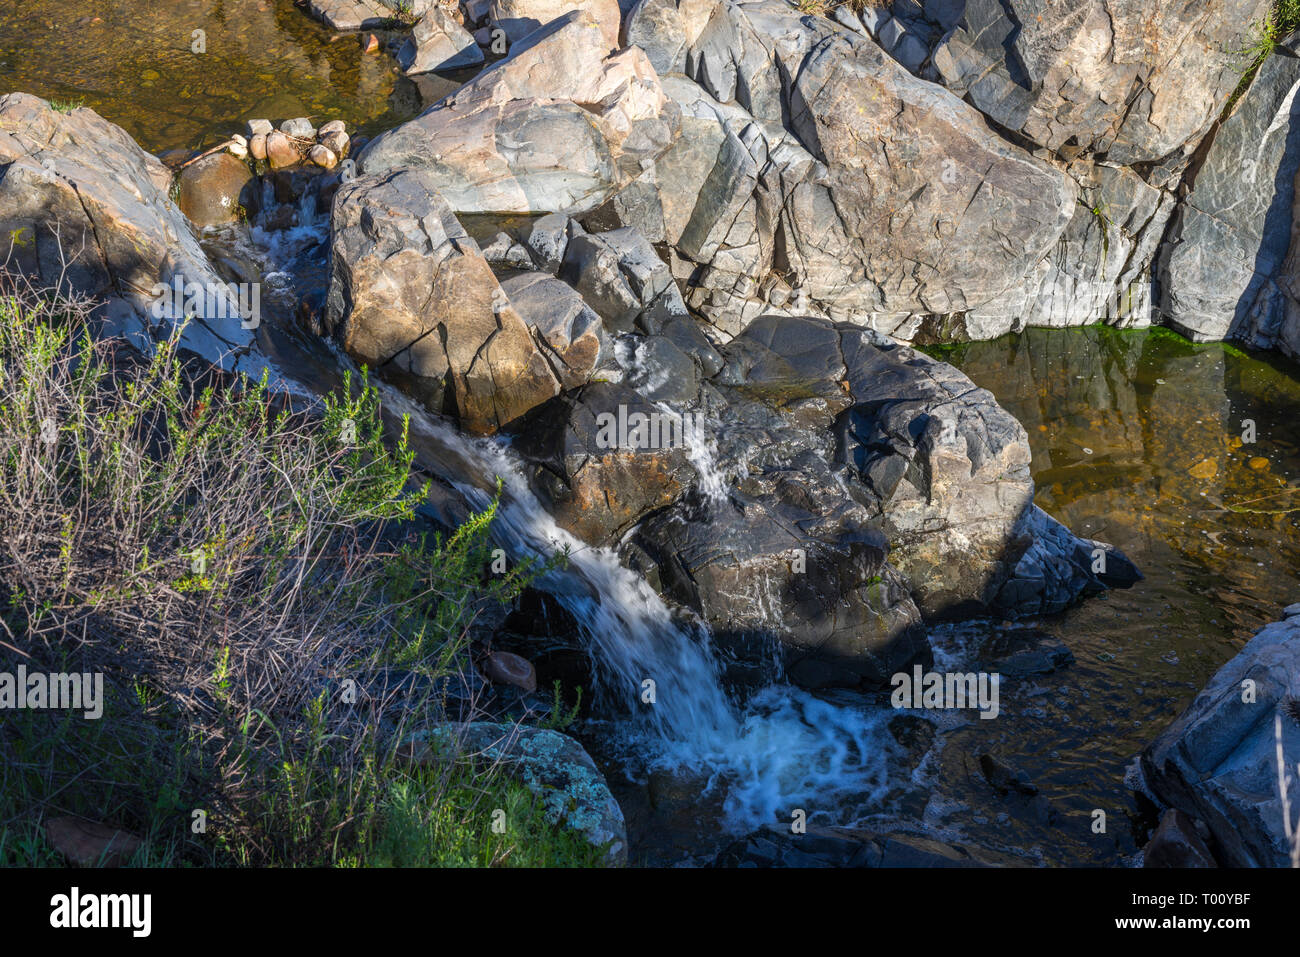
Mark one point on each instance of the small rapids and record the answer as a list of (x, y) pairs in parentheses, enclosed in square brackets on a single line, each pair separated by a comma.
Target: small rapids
[(660, 704), (783, 750)]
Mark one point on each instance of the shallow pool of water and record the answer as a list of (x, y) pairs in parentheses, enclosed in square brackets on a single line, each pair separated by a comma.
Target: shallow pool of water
[(134, 62), (1184, 456)]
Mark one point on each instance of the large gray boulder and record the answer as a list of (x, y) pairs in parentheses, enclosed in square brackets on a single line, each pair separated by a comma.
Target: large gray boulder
[(1099, 270), (815, 175), (558, 126), (1218, 761), (1126, 79), (84, 207), (916, 205), (438, 43), (1223, 270), (411, 296)]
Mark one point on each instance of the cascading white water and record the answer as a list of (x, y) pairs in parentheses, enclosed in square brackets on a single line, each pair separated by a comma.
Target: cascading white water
[(784, 750)]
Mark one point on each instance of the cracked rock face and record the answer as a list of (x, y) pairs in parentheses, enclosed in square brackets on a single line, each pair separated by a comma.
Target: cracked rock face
[(519, 18), (412, 297), (836, 487), (1133, 80), (1228, 268), (558, 126), (811, 161), (916, 205), (76, 181), (1100, 268)]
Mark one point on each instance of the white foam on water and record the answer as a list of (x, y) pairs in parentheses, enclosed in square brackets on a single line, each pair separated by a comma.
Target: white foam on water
[(785, 749)]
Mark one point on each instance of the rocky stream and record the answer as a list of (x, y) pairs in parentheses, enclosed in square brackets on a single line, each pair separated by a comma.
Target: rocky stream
[(837, 342)]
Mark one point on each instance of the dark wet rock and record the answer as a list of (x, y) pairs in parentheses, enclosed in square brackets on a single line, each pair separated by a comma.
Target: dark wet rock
[(662, 371), (438, 43), (846, 848), (787, 563), (826, 487), (1117, 78), (1176, 843), (915, 735), (215, 190), (74, 181), (1004, 779), (1225, 272), (593, 488), (558, 126), (949, 469), (551, 765), (1218, 761), (1025, 653), (411, 295)]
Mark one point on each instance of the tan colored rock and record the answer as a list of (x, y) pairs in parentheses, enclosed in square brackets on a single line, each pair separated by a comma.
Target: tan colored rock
[(411, 295), (506, 668), (281, 151), (257, 146), (211, 191), (323, 156), (336, 141)]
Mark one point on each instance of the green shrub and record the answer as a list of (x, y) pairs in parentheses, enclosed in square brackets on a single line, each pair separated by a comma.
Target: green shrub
[(230, 564)]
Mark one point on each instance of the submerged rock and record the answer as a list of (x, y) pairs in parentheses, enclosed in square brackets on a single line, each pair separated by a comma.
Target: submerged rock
[(215, 190)]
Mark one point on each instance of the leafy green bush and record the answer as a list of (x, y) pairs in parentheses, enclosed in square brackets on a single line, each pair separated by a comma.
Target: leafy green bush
[(236, 568)]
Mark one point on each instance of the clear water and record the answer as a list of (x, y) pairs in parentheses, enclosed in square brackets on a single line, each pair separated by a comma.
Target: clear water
[(132, 62)]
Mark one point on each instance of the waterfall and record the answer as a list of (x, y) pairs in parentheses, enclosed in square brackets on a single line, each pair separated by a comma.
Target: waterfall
[(784, 750)]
